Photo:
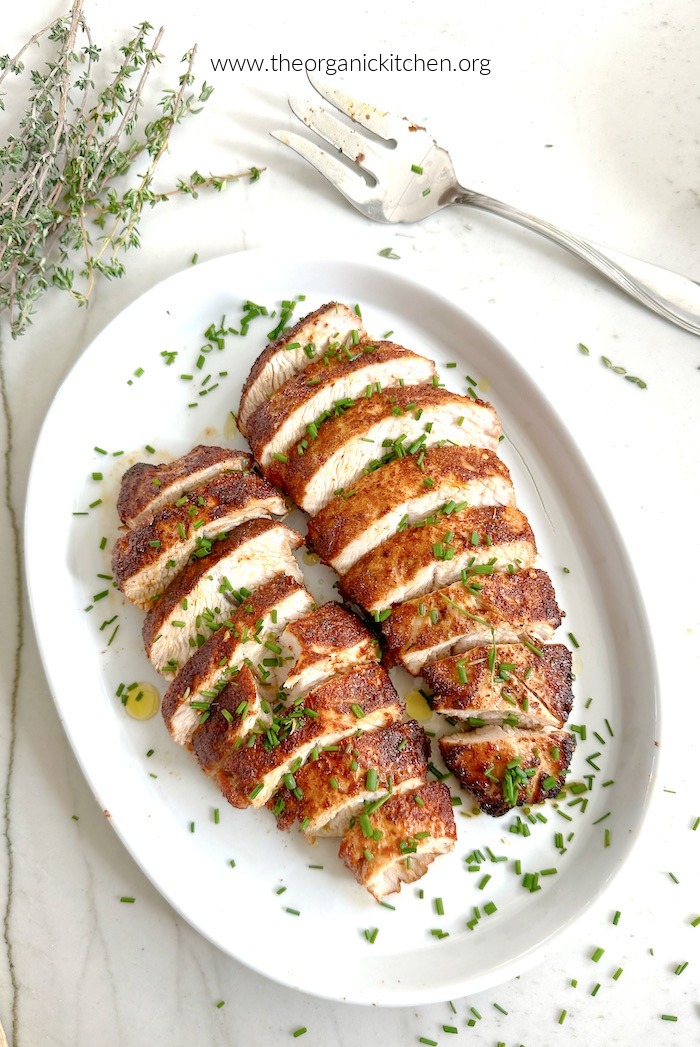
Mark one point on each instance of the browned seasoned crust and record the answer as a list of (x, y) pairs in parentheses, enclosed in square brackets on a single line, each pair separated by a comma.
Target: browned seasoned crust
[(173, 596), (412, 834), (397, 752), (329, 628), (194, 512), (521, 600), (401, 401), (339, 705), (271, 415), (472, 535), (293, 334), (513, 680), (145, 488), (337, 525), (213, 659), (225, 719), (480, 761)]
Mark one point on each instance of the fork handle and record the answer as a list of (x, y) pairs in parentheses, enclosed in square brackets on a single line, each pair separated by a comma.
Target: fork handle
[(675, 297)]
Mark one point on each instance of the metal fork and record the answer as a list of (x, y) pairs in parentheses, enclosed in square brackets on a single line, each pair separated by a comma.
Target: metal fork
[(411, 177)]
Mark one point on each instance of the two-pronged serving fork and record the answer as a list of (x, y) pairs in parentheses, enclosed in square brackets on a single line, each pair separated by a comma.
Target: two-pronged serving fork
[(393, 171)]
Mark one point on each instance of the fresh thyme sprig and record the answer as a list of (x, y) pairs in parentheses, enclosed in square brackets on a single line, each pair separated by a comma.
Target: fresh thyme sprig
[(59, 207)]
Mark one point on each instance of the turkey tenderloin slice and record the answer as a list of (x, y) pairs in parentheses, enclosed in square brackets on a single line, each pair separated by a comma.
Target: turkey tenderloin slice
[(505, 767), (401, 494), (146, 488), (324, 331), (434, 553), (280, 424), (356, 701), (416, 827), (379, 428), (147, 558), (506, 683), (355, 777), (249, 637), (230, 716), (324, 643), (497, 608), (199, 600)]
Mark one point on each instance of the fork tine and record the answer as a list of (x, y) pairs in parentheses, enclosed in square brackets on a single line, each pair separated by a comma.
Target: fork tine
[(354, 188), (380, 123), (353, 145)]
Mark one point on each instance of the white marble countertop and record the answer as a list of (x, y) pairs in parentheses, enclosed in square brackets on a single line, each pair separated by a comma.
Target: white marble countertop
[(589, 118)]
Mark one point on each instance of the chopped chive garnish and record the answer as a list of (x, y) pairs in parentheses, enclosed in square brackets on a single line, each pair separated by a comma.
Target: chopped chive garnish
[(597, 953), (299, 1032), (127, 901)]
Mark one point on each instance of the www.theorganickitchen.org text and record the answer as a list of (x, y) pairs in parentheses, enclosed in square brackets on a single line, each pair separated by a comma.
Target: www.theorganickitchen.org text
[(380, 63)]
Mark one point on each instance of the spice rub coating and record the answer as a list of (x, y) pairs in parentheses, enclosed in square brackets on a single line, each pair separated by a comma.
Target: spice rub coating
[(328, 641), (149, 556), (355, 776), (242, 639), (498, 608), (402, 493), (435, 552), (356, 701), (504, 682), (412, 830), (146, 488), (229, 718), (198, 600), (504, 767), (280, 422), (325, 330), (377, 428)]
